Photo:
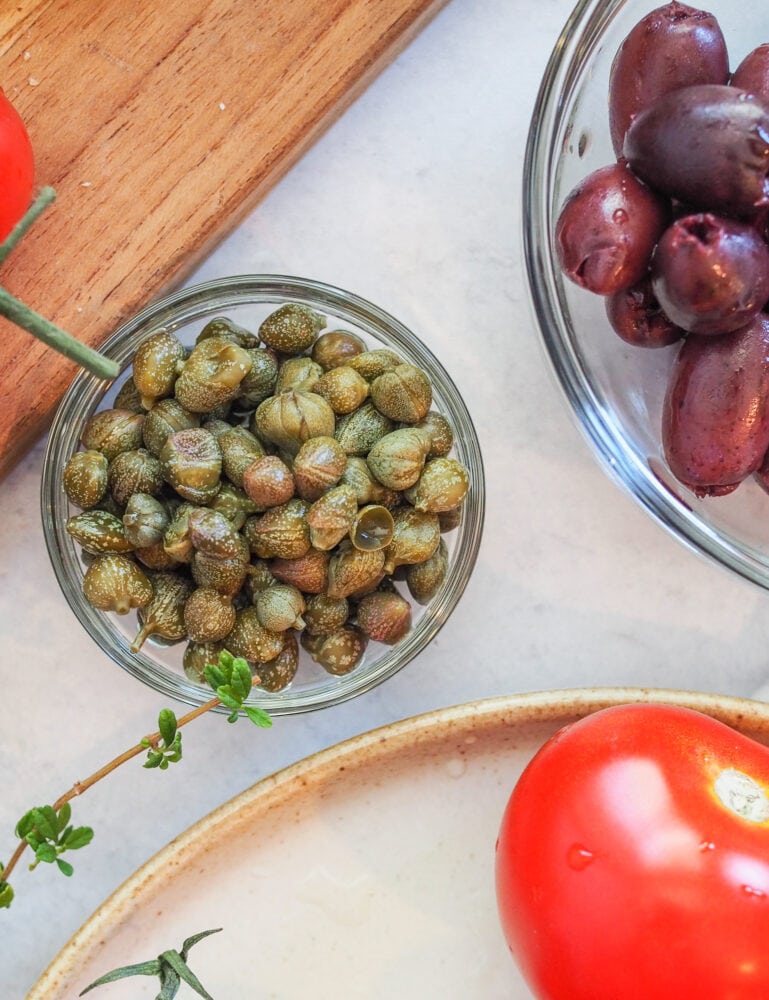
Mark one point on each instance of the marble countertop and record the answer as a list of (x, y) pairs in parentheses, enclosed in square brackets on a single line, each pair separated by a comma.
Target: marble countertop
[(412, 200)]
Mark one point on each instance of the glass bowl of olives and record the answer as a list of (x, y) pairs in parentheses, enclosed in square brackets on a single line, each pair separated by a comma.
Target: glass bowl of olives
[(283, 470), (645, 239)]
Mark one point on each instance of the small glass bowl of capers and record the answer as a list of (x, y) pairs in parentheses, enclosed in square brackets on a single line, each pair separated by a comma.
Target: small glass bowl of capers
[(281, 469)]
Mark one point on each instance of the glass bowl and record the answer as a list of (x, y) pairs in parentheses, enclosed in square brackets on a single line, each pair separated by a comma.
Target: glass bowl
[(246, 300), (614, 390)]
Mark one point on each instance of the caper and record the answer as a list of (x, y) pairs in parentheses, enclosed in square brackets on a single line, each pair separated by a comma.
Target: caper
[(404, 394), (260, 381), (398, 458), (208, 615), (372, 364), (251, 640), (372, 528), (338, 653), (318, 465), (299, 374), (442, 486), (112, 431), (343, 389), (239, 449), (225, 575), (213, 534), (176, 540), (163, 615), (234, 503), (212, 374), (145, 520), (281, 531), (134, 472), (384, 617), (280, 607), (259, 578), (336, 348), (156, 365), (116, 583), (85, 478), (450, 519), (290, 418), (367, 488), (440, 431), (423, 579), (351, 570), (98, 532), (308, 572), (155, 557), (165, 418), (128, 398), (192, 463), (223, 328), (278, 673), (416, 536), (324, 615), (292, 328), (199, 655), (331, 517), (358, 432), (268, 481), (216, 426)]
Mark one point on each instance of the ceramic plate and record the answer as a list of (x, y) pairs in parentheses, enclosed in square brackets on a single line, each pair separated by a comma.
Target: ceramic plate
[(365, 871)]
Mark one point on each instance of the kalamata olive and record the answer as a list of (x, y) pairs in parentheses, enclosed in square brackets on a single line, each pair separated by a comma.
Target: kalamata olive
[(607, 229), (673, 46), (635, 315), (715, 424), (710, 274), (707, 146), (752, 74)]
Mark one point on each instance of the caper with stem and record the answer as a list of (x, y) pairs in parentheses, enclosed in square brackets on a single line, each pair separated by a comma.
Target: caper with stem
[(212, 374), (163, 615), (416, 536), (98, 532), (145, 520), (280, 607), (335, 348), (115, 583)]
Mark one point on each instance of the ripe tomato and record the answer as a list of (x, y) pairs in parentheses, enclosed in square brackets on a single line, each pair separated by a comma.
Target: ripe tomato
[(17, 167), (633, 860)]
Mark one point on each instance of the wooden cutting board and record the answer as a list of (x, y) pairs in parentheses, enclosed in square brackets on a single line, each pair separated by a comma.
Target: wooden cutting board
[(160, 125)]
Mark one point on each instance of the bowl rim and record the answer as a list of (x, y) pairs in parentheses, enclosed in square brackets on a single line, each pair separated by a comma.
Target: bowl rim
[(252, 289), (624, 465)]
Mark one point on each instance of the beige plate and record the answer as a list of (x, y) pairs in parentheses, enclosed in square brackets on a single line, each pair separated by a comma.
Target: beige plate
[(365, 871)]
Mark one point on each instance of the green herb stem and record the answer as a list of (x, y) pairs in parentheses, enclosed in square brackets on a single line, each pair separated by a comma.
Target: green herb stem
[(38, 206)]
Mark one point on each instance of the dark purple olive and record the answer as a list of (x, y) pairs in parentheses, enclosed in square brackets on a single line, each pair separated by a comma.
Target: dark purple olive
[(607, 230), (706, 145), (710, 274), (673, 46), (635, 315), (715, 422), (753, 73)]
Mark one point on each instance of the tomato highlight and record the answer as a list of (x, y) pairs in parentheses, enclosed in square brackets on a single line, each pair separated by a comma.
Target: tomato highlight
[(633, 860)]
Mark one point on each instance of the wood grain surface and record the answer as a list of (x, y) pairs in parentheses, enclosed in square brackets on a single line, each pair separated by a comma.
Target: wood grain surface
[(160, 125)]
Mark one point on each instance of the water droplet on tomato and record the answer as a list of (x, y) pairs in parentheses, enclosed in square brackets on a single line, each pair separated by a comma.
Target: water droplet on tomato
[(579, 857), (749, 890), (620, 216)]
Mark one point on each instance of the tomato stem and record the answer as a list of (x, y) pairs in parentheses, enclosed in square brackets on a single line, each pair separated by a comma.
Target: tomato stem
[(38, 206)]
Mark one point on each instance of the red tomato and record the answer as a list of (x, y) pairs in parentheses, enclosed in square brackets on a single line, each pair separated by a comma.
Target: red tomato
[(17, 167), (633, 860)]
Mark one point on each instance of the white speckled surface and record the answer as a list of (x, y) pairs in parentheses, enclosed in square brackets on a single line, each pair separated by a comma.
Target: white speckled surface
[(413, 201)]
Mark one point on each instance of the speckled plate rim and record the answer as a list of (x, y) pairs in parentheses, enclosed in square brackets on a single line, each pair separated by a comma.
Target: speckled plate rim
[(401, 739)]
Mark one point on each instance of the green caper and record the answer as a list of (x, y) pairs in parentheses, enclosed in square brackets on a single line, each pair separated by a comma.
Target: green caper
[(372, 528), (225, 575), (224, 328), (216, 426), (278, 673), (423, 579), (318, 465), (213, 534), (98, 532), (442, 486), (85, 478), (331, 517), (163, 615), (176, 540), (416, 536), (336, 348), (358, 432), (403, 394), (132, 472), (251, 640), (259, 577), (165, 418), (212, 374), (372, 364), (155, 557), (239, 449), (281, 531), (367, 489), (280, 607), (208, 615), (292, 328), (300, 374), (116, 583), (338, 653), (191, 461), (128, 398), (145, 520), (199, 655), (234, 503), (351, 570), (112, 432), (308, 572), (384, 617), (398, 458), (324, 615), (343, 389), (268, 481), (290, 418), (156, 365), (260, 381), (440, 431)]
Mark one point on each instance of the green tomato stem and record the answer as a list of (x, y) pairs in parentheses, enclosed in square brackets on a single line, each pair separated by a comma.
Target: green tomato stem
[(38, 206)]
